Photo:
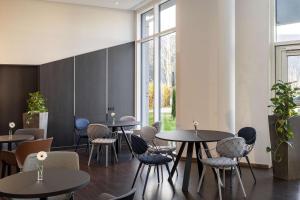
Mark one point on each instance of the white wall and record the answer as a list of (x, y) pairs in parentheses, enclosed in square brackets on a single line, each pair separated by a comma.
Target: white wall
[(205, 64), (36, 32), (253, 50), (223, 61)]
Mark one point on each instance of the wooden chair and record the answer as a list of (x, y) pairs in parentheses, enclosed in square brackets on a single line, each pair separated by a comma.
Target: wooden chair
[(17, 158)]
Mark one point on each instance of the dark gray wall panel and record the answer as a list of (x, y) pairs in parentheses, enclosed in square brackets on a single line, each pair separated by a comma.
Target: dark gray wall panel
[(57, 84), (16, 81), (90, 85), (121, 76)]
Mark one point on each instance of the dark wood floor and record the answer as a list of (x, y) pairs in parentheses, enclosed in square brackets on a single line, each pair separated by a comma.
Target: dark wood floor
[(117, 179)]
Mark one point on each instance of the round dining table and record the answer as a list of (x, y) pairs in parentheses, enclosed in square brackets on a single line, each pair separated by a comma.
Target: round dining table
[(56, 181), (121, 125), (191, 138), (9, 139)]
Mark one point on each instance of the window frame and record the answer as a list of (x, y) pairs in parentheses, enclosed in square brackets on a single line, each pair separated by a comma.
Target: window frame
[(157, 34)]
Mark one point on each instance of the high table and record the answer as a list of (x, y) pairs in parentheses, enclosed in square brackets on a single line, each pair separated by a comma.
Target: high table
[(14, 138), (56, 181), (120, 124), (190, 137)]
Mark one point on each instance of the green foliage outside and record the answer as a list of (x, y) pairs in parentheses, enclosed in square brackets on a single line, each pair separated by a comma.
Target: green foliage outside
[(36, 103), (283, 108), (173, 112), (168, 122)]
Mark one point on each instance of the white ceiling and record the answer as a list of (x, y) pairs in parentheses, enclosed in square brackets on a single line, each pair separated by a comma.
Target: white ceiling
[(117, 4)]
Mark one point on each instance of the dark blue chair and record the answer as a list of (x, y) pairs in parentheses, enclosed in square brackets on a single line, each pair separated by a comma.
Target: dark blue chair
[(80, 130), (140, 147), (249, 134)]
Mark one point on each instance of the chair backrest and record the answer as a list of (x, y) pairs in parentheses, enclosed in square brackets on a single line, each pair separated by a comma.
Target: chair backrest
[(81, 123), (29, 147), (148, 134), (138, 144), (36, 132), (232, 147), (127, 196), (249, 134), (128, 119), (157, 126), (95, 131), (55, 159)]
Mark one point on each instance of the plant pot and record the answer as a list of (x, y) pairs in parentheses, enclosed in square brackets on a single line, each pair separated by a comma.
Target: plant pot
[(288, 168), (38, 120)]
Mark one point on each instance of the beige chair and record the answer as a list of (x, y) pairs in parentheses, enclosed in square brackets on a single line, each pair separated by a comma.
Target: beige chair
[(17, 158), (99, 135), (55, 159)]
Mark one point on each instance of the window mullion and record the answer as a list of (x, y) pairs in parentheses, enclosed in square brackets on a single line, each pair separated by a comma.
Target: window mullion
[(156, 65)]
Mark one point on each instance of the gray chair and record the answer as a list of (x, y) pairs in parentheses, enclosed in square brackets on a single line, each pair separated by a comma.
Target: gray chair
[(228, 149), (128, 130), (61, 159), (127, 196), (99, 135)]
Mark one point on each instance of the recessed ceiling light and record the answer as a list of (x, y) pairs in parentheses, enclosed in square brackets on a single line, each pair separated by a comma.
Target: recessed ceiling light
[(117, 2)]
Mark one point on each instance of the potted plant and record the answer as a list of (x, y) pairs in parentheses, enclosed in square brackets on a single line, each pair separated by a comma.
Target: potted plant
[(284, 127), (37, 114)]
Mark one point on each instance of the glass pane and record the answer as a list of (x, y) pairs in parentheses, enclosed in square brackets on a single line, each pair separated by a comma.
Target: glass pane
[(167, 15), (147, 23), (147, 82), (288, 32), (168, 82), (294, 73)]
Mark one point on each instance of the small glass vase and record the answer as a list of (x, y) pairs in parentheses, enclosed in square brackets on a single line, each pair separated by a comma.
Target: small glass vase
[(10, 133), (196, 131), (113, 120), (40, 172)]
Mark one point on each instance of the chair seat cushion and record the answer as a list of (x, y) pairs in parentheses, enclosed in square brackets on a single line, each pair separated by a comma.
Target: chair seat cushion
[(161, 149), (219, 162), (8, 157), (155, 159), (104, 141)]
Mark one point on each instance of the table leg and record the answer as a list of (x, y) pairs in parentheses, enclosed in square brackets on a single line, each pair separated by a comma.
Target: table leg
[(9, 146), (127, 141), (187, 168), (177, 160), (199, 156), (208, 154)]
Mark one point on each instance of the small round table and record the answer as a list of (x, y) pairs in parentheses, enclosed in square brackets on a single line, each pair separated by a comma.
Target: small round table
[(190, 137), (56, 181), (121, 125), (14, 138)]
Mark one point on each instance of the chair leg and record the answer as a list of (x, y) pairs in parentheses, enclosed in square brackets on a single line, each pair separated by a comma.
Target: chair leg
[(149, 168), (201, 179), (137, 172), (115, 153), (219, 183), (248, 161), (173, 158), (224, 178), (98, 152), (106, 155), (239, 168), (78, 142), (169, 172), (230, 177), (3, 169), (162, 173), (91, 153), (157, 174), (240, 180)]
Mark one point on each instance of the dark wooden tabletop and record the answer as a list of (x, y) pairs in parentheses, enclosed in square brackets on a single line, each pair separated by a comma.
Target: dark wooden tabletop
[(121, 124), (56, 181), (15, 138), (190, 136)]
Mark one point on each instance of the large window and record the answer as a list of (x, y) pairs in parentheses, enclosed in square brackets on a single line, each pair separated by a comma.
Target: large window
[(156, 56), (287, 20)]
